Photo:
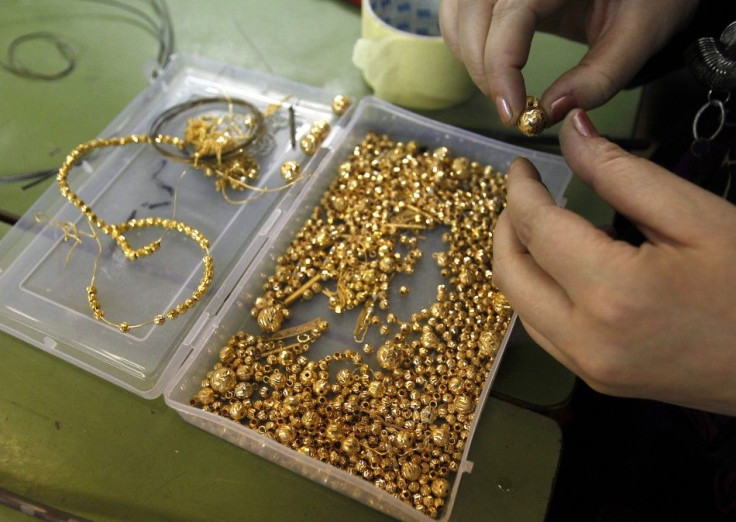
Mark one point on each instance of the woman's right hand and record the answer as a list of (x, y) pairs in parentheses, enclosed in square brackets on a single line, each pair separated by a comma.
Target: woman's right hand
[(493, 38)]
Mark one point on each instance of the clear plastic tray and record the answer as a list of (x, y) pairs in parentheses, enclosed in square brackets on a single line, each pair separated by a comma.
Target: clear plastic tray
[(43, 286), (371, 115), (44, 299)]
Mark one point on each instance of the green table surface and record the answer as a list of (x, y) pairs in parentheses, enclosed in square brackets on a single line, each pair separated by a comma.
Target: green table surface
[(78, 443), (74, 442)]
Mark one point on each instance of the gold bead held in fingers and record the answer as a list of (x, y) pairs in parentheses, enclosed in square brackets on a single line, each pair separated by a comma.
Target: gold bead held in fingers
[(533, 120)]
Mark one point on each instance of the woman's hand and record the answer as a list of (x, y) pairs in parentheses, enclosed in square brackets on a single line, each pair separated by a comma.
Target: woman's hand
[(656, 321), (493, 37)]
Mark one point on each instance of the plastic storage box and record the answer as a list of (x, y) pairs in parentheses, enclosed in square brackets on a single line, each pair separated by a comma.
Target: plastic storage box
[(42, 283)]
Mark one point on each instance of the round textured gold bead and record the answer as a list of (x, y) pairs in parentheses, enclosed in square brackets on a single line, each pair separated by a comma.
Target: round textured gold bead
[(411, 471), (488, 343), (340, 104), (334, 432), (440, 435), (285, 434), (389, 356), (309, 144), (376, 389), (440, 487), (243, 390), (533, 120), (223, 380), (205, 396), (310, 420), (290, 171), (350, 445), (464, 404), (237, 410), (270, 319)]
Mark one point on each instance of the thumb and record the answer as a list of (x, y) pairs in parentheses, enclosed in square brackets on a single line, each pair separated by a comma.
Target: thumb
[(665, 207)]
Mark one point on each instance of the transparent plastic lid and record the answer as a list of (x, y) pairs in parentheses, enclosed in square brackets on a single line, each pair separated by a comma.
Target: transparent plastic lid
[(48, 259)]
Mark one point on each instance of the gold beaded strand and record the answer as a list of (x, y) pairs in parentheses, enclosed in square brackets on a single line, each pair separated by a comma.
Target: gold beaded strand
[(118, 231)]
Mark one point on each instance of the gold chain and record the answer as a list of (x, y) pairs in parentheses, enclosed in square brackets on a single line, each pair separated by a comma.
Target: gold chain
[(118, 231)]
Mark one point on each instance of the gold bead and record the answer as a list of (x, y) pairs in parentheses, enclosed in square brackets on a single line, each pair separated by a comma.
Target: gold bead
[(411, 471), (533, 120), (237, 410), (245, 372), (440, 487), (307, 377), (124, 327), (429, 339), (223, 380), (463, 404), (227, 354), (159, 319), (350, 445), (340, 104), (286, 357), (205, 396), (243, 390), (344, 377), (334, 432), (306, 450), (404, 439), (310, 420), (488, 343), (321, 387), (440, 435), (376, 389), (270, 318), (309, 144), (278, 380), (285, 434), (389, 356), (455, 385), (320, 129), (290, 171)]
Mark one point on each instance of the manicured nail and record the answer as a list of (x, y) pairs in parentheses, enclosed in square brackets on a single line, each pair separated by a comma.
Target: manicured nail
[(561, 106), (583, 125), (504, 110)]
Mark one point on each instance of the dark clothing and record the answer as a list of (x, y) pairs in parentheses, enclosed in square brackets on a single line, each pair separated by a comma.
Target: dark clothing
[(628, 460), (644, 461)]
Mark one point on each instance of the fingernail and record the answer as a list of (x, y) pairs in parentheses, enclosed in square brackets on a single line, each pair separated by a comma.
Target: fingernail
[(583, 125), (504, 110), (561, 106)]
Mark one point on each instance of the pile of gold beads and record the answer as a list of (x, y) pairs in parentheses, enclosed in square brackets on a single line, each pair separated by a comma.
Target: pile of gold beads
[(398, 414)]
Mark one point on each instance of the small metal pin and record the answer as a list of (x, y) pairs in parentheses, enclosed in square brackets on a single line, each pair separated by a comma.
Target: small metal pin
[(292, 126)]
